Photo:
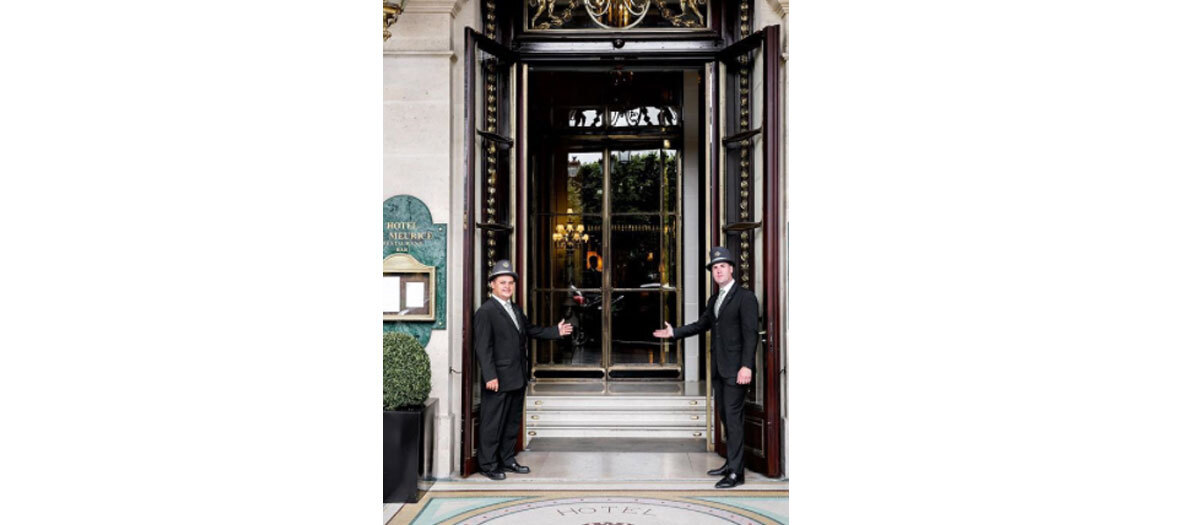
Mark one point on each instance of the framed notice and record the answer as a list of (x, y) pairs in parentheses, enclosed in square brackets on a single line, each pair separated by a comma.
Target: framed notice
[(407, 289)]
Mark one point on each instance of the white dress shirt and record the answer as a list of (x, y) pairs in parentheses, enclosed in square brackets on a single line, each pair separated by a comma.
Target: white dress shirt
[(511, 311), (721, 297)]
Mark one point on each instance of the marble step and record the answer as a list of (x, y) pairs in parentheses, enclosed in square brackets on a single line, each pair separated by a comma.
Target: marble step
[(629, 414), (615, 418), (649, 403), (607, 432)]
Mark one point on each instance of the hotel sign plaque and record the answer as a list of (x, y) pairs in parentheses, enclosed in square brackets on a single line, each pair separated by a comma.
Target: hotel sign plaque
[(414, 250)]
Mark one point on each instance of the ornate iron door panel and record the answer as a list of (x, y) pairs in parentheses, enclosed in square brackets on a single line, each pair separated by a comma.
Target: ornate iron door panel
[(489, 222), (747, 188)]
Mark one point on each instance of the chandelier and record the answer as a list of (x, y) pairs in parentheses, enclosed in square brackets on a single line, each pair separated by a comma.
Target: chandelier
[(570, 235)]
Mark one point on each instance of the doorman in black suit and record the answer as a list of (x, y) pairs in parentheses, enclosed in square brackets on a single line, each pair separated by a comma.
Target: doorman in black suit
[(732, 314), (501, 339)]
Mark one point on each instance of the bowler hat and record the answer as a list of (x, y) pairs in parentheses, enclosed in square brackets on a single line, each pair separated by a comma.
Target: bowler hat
[(503, 267), (718, 254)]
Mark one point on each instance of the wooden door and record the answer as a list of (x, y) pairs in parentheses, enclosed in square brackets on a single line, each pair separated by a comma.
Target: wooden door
[(491, 215), (747, 188)]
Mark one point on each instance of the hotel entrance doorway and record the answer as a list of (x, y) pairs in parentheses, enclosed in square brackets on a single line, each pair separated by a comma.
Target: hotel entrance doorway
[(526, 134), (605, 173)]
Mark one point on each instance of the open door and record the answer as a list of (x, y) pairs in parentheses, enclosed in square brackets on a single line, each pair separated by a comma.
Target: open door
[(747, 188), (491, 213)]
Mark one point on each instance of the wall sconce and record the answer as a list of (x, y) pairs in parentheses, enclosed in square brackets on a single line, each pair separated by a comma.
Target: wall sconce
[(392, 9)]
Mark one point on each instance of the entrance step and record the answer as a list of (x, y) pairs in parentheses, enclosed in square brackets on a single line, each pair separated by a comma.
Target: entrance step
[(632, 445), (616, 416), (644, 417), (666, 404)]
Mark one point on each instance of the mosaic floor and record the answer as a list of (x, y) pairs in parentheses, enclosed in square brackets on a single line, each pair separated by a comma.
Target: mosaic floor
[(583, 507)]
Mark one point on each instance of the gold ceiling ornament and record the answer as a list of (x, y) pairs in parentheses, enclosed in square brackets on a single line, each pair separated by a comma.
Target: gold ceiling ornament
[(617, 14), (392, 9)]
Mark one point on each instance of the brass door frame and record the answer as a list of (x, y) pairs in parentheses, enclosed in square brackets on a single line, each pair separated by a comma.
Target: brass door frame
[(608, 249)]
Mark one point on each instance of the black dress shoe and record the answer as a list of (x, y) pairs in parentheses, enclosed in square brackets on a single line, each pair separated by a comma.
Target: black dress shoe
[(495, 474), (719, 471), (517, 468), (730, 481)]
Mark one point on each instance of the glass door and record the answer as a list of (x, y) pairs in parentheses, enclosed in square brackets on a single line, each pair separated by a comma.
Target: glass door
[(570, 262), (604, 246), (616, 287), (644, 254)]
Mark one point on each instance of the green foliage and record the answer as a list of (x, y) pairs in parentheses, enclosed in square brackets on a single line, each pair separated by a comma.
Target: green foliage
[(407, 372), (635, 183)]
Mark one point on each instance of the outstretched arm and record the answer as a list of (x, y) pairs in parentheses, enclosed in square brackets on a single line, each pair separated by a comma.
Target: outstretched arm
[(549, 332), (688, 330)]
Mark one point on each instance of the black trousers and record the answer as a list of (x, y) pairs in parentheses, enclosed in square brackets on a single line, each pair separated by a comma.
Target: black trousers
[(730, 401), (500, 414)]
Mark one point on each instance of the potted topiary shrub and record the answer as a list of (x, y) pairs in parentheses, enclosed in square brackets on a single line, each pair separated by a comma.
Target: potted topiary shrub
[(408, 417)]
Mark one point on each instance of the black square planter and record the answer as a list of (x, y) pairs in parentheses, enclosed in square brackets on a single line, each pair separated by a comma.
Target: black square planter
[(407, 451)]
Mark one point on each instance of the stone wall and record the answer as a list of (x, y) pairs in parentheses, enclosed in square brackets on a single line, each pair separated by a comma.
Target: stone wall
[(422, 119)]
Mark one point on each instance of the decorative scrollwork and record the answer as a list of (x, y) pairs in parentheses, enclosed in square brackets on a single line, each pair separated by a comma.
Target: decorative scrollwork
[(546, 6), (616, 14), (577, 117), (490, 113), (667, 116), (682, 19), (746, 200)]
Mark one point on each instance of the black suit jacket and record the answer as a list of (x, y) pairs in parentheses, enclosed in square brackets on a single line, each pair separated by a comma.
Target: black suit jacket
[(735, 331), (501, 349)]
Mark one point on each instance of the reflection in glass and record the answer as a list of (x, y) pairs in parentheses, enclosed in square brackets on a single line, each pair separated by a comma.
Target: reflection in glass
[(576, 263), (670, 170), (584, 345), (671, 314), (581, 189), (668, 263), (635, 251), (634, 315), (635, 177)]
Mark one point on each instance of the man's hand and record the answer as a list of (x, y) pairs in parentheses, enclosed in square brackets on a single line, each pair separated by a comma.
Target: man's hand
[(564, 328), (494, 385), (743, 377), (664, 333)]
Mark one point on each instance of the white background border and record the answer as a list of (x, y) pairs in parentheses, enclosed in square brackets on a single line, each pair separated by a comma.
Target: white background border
[(983, 262)]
